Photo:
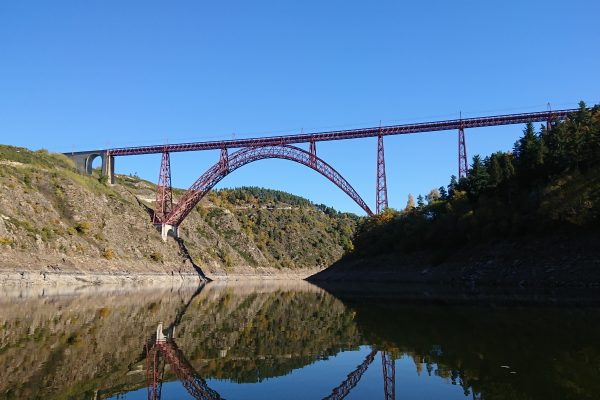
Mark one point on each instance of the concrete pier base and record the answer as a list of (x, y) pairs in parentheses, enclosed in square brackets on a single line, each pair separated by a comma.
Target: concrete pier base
[(166, 230)]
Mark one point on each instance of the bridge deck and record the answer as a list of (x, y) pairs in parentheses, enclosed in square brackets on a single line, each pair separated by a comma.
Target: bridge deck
[(508, 119)]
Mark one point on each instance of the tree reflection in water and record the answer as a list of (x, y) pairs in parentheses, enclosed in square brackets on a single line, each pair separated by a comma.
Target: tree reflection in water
[(261, 336)]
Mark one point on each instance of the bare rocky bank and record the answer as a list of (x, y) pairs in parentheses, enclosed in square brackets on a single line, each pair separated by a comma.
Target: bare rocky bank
[(60, 227), (556, 259)]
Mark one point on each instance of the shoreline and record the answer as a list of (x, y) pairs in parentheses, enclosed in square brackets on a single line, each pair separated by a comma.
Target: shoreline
[(79, 278), (27, 278)]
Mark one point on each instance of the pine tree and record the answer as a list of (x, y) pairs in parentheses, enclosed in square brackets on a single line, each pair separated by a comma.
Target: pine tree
[(529, 152), (494, 169), (478, 177), (452, 186), (443, 193), (420, 201)]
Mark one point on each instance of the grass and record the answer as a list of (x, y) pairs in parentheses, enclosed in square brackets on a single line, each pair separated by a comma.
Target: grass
[(6, 241), (36, 158)]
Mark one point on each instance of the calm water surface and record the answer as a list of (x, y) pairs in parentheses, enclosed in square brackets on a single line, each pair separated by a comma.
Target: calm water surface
[(294, 341)]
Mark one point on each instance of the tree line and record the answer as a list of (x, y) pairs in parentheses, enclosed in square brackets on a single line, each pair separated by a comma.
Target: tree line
[(550, 179)]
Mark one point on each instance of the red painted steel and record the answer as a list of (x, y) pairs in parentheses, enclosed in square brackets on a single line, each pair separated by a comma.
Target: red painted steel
[(350, 134), (389, 376), (190, 379), (352, 379), (155, 369), (313, 152), (245, 156), (463, 164), (224, 159), (164, 193), (381, 187)]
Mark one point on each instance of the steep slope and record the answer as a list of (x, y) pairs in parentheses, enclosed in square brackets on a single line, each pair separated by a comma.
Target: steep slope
[(56, 222)]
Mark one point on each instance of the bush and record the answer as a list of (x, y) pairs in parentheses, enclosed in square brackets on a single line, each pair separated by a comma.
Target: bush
[(109, 254), (6, 241), (83, 227), (156, 256)]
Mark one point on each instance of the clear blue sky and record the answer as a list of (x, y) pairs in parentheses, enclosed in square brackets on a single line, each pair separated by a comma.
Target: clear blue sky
[(95, 74)]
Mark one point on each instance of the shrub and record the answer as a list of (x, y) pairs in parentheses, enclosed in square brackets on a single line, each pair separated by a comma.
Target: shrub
[(6, 241), (109, 254), (83, 227), (156, 256)]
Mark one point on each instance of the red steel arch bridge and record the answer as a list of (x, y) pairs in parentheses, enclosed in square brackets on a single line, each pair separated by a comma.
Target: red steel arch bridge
[(169, 215)]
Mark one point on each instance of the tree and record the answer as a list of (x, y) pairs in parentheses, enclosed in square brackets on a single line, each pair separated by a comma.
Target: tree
[(433, 196), (410, 204), (452, 186), (443, 193), (529, 152), (494, 169), (478, 177), (420, 202)]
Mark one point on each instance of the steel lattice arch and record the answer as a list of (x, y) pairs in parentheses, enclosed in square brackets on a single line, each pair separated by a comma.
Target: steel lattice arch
[(229, 163)]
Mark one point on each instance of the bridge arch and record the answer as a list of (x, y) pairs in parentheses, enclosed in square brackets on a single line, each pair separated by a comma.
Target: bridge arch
[(229, 163)]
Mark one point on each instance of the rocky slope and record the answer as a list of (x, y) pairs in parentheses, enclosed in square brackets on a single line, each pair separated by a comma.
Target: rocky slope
[(58, 225)]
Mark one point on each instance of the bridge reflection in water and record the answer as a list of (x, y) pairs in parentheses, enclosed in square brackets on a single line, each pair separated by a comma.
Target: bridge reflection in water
[(165, 351), (161, 350)]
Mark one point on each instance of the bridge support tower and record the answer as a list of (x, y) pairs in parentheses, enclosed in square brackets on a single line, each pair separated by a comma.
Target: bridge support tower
[(381, 197), (463, 164), (164, 199), (389, 375)]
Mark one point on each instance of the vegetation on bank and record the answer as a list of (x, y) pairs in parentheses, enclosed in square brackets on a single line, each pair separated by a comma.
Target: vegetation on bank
[(287, 230), (49, 209), (549, 182)]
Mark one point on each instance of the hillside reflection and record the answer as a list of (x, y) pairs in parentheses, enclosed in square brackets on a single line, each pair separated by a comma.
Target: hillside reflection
[(94, 344)]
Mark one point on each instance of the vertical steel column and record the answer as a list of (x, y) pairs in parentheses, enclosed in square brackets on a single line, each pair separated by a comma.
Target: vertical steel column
[(224, 159), (164, 193), (152, 378), (463, 165), (381, 197), (313, 153), (389, 376)]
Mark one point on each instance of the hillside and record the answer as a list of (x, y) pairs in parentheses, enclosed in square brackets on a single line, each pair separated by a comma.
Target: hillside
[(55, 222), (526, 217)]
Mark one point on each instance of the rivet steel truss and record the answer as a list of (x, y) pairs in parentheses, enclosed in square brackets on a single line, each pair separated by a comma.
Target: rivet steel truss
[(381, 187), (352, 379), (245, 156), (455, 124), (164, 193), (389, 375), (191, 381), (463, 164)]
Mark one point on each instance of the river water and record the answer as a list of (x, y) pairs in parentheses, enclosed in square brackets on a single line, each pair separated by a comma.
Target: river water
[(294, 340)]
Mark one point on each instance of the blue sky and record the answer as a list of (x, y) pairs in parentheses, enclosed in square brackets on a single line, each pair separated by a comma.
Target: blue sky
[(96, 74)]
